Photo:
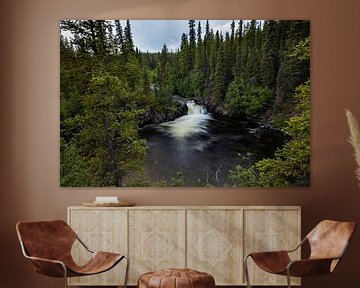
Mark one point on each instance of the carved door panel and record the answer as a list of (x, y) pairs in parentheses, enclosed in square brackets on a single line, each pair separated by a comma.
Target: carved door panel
[(156, 240), (269, 230), (214, 244), (101, 230)]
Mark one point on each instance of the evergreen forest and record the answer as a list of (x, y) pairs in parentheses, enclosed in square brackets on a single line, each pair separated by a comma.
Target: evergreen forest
[(257, 72)]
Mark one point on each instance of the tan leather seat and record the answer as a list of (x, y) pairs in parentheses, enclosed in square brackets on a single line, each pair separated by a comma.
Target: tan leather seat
[(328, 242), (48, 245), (176, 278)]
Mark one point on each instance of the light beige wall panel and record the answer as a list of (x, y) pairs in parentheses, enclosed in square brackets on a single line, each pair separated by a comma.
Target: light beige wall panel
[(214, 244), (101, 230), (269, 230), (156, 240)]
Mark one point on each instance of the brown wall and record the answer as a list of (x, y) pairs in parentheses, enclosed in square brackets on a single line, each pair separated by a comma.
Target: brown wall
[(29, 119)]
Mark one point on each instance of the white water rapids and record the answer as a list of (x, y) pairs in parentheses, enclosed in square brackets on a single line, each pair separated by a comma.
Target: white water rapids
[(195, 122), (203, 148)]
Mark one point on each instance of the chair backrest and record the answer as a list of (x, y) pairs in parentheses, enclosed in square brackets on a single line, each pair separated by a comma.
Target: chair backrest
[(46, 239), (329, 239)]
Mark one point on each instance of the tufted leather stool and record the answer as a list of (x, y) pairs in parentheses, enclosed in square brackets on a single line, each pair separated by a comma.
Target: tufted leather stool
[(176, 278)]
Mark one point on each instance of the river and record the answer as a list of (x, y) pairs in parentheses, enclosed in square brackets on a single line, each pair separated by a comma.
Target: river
[(204, 148)]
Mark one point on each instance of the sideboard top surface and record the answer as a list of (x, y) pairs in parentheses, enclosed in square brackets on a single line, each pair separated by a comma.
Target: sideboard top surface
[(193, 207)]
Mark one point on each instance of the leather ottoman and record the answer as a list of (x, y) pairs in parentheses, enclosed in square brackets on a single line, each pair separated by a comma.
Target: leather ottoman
[(176, 278)]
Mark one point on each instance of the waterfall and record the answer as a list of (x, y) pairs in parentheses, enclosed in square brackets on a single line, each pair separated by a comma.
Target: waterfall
[(194, 108), (194, 124)]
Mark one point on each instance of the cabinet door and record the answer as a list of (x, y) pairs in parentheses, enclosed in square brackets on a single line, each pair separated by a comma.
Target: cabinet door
[(156, 240), (270, 230), (214, 244), (101, 230)]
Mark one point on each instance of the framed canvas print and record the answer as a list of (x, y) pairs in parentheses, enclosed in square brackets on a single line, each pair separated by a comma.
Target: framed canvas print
[(189, 103)]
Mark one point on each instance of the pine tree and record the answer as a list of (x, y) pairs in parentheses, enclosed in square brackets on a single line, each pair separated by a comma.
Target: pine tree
[(199, 55), (163, 77), (215, 44), (208, 38), (269, 54), (199, 69), (251, 34), (146, 82), (102, 37), (199, 49), (207, 31), (232, 30), (199, 39), (192, 43), (128, 41), (292, 71), (184, 62), (90, 36), (220, 75), (229, 56), (232, 53), (119, 35), (185, 54), (238, 61)]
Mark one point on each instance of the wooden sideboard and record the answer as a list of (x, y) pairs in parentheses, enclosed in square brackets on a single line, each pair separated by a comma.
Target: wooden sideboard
[(211, 239)]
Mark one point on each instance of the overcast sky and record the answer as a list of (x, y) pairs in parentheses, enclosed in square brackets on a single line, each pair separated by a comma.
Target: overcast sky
[(150, 35)]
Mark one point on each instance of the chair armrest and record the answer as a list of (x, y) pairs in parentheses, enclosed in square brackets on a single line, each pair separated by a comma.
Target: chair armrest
[(281, 251), (48, 267), (268, 253), (271, 261), (309, 267), (46, 260), (83, 244), (298, 246)]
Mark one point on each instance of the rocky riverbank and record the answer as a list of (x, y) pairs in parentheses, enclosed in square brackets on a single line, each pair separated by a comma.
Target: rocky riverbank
[(262, 127), (151, 116)]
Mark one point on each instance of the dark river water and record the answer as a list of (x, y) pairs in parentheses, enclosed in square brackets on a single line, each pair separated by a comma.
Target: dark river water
[(204, 148)]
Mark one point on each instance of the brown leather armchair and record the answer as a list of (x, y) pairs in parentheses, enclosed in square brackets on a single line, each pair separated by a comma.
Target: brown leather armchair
[(48, 245), (328, 242)]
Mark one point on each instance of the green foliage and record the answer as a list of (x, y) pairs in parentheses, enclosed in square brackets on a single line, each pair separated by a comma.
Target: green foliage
[(290, 167), (263, 57), (245, 99), (98, 133), (279, 121), (302, 50), (163, 80), (220, 76), (299, 124), (108, 85), (178, 180), (293, 69), (108, 135), (132, 73), (291, 164), (198, 84), (269, 60), (73, 169), (204, 183), (243, 177)]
